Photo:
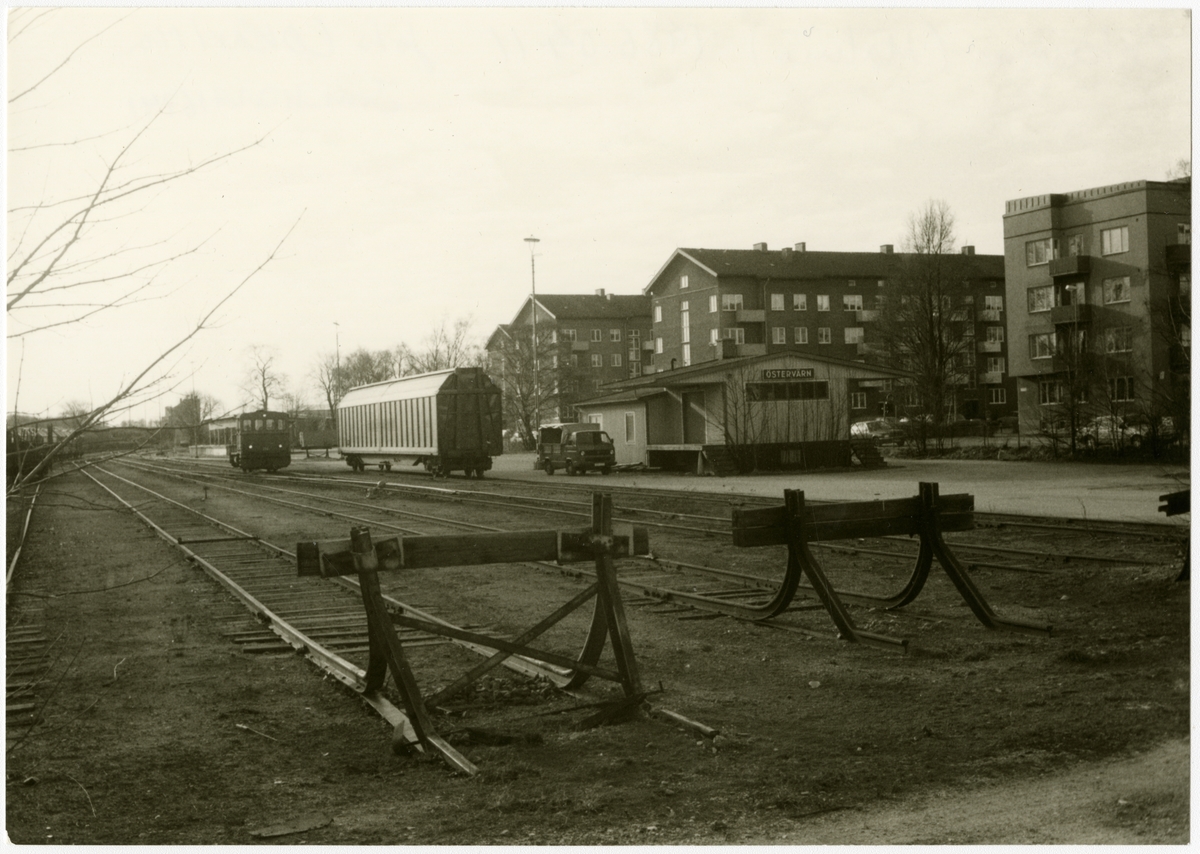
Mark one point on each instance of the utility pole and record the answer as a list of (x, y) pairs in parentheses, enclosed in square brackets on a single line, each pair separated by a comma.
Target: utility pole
[(537, 389)]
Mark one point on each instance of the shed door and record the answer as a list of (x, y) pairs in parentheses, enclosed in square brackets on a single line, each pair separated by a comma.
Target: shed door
[(693, 418)]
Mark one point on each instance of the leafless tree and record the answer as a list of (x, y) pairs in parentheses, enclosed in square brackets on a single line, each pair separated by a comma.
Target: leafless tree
[(926, 314), (190, 415), (70, 259), (1181, 169), (263, 379), (363, 367), (446, 347), (327, 376), (531, 395)]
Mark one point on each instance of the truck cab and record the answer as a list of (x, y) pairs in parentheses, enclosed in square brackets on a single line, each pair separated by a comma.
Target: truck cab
[(575, 448)]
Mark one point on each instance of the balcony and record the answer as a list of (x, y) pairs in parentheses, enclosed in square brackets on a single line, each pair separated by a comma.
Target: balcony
[(990, 314), (751, 315), (580, 346), (648, 345), (866, 315), (991, 378), (1080, 313), (990, 347), (1072, 265)]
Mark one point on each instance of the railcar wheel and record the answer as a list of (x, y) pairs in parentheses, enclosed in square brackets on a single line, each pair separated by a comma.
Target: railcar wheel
[(571, 470), (548, 467), (479, 474), (605, 469), (388, 465)]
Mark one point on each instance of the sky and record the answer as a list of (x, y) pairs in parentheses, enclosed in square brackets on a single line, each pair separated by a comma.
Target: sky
[(406, 154)]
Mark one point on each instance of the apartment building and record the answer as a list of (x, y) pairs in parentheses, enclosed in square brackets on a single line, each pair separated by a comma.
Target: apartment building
[(585, 341), (713, 304), (1099, 292)]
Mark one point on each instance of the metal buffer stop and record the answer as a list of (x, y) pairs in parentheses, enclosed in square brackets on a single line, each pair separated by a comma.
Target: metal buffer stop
[(366, 559), (926, 515)]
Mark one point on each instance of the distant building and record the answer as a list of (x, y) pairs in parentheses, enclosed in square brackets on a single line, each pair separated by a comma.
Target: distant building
[(585, 341), (1099, 293), (713, 304)]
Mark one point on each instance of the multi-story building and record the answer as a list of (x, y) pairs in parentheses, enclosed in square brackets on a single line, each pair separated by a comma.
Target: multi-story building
[(711, 304), (584, 341), (1099, 285)]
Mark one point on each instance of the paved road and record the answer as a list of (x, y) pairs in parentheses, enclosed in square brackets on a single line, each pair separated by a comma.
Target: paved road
[(1076, 490)]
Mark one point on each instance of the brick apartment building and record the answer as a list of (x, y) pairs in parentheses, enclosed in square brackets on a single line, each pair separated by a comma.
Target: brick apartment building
[(587, 340), (712, 304), (1099, 290)]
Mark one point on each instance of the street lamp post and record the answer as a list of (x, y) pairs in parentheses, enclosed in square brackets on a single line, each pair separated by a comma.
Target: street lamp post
[(537, 389)]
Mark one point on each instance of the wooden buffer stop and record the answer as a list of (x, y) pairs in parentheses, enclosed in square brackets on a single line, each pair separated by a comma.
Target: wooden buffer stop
[(360, 556), (927, 515)]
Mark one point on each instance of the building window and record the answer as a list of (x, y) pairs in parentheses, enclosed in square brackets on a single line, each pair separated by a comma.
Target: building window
[(854, 334), (851, 283), (731, 302), (1040, 251), (737, 335), (553, 336), (568, 334), (778, 334), (687, 354), (822, 302), (635, 355), (995, 364), (993, 303), (1184, 235), (1075, 245), (823, 336), (574, 360), (852, 302), (1050, 391), (615, 360), (712, 303), (994, 334), (658, 346), (630, 427), (1118, 339), (1120, 389), (685, 327), (800, 302), (1116, 290), (658, 314), (1040, 299), (777, 302), (858, 400), (554, 361), (997, 395), (634, 336), (597, 360), (800, 335), (597, 336), (635, 370), (1041, 346), (714, 335), (683, 282), (614, 335), (1114, 241)]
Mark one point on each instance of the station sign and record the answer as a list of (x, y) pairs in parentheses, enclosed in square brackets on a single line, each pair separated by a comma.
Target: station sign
[(788, 373)]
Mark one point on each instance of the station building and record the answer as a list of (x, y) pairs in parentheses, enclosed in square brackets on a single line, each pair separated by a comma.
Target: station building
[(784, 410), (1099, 295)]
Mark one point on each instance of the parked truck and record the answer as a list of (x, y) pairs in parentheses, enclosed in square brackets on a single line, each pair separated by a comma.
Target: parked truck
[(576, 448)]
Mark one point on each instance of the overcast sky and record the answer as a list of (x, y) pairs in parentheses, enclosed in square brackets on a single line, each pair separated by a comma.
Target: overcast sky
[(419, 147)]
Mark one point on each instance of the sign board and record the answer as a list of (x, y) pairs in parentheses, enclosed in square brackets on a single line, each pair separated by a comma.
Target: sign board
[(788, 373)]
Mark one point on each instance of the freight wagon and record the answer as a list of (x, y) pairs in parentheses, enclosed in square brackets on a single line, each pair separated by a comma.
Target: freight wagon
[(254, 440), (446, 421)]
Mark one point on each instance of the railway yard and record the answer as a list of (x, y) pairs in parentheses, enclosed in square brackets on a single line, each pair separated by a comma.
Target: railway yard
[(172, 680)]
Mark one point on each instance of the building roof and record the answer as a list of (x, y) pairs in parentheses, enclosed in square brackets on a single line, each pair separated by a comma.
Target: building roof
[(657, 382), (796, 264), (589, 306)]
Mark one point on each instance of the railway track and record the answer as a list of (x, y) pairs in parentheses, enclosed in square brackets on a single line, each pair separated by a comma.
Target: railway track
[(693, 574)]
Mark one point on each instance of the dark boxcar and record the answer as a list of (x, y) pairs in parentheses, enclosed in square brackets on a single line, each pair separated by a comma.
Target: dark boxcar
[(445, 420)]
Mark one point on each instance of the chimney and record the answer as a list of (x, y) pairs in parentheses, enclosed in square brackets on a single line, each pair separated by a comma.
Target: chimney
[(801, 247), (786, 252), (760, 247), (886, 249), (599, 292), (968, 250)]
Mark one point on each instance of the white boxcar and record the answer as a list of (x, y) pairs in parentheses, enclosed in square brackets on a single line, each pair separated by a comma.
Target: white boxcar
[(446, 421)]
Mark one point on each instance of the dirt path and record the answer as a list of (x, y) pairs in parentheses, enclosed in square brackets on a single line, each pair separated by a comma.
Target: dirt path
[(1140, 800)]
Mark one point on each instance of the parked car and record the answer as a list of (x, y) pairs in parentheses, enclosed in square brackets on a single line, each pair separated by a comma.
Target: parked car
[(884, 429), (1111, 431)]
